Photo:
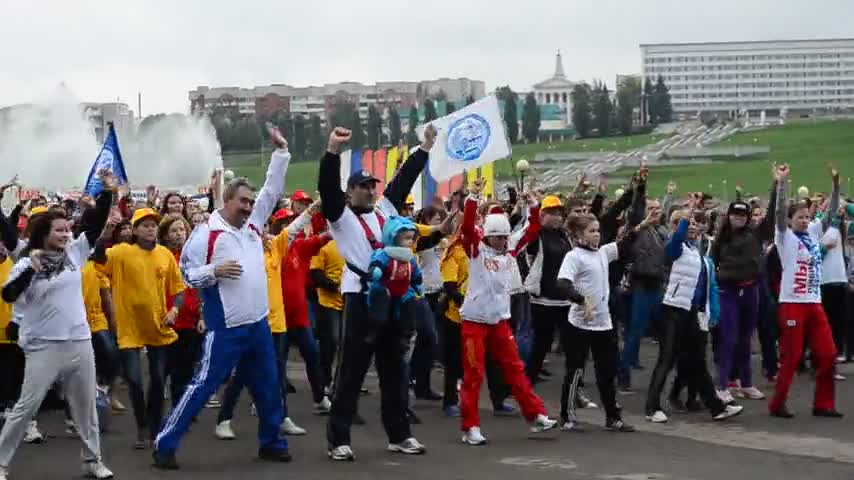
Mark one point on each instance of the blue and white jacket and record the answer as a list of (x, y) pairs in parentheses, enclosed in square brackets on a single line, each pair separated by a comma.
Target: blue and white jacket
[(691, 282), (232, 303)]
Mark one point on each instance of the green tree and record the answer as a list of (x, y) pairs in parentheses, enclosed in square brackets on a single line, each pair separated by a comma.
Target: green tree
[(531, 119), (316, 142), (602, 109), (469, 100), (247, 134), (450, 108), (650, 102), (394, 130), (411, 136), (440, 96), (511, 115), (628, 98), (429, 111), (342, 114), (298, 140), (663, 106), (374, 127), (581, 109), (358, 138)]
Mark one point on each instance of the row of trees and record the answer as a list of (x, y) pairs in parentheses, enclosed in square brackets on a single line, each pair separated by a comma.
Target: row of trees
[(592, 110)]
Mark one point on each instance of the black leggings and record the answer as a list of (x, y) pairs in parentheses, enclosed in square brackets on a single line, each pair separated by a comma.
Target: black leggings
[(185, 354), (576, 343), (11, 374), (834, 296)]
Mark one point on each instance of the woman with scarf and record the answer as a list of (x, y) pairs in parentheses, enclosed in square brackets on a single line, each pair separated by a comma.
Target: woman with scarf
[(46, 288), (143, 275)]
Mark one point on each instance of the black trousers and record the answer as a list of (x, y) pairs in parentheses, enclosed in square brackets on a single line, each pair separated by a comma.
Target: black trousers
[(367, 335), (768, 330), (577, 343), (680, 335), (683, 371), (107, 363), (147, 406), (11, 373), (849, 330), (834, 297), (545, 321), (184, 356), (498, 390)]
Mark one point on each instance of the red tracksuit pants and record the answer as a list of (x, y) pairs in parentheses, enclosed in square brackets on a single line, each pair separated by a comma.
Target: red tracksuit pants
[(799, 321), (476, 339)]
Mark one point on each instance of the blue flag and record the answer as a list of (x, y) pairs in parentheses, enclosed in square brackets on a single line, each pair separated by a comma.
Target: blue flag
[(109, 158)]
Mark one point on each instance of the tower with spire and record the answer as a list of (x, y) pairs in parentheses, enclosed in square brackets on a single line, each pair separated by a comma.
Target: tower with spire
[(556, 90)]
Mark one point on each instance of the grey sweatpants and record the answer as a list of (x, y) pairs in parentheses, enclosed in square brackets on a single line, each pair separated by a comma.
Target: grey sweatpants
[(73, 364)]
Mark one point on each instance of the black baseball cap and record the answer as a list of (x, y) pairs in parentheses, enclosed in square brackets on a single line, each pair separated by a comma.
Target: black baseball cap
[(739, 208), (361, 177)]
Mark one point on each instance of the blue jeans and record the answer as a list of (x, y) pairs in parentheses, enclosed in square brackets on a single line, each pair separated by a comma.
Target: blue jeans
[(250, 349), (645, 305), (147, 409), (106, 357)]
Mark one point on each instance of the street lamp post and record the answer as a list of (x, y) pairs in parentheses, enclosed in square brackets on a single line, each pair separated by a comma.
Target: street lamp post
[(522, 167)]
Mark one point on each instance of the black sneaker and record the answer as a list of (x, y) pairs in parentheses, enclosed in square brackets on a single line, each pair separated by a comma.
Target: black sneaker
[(291, 388), (694, 406), (358, 420), (429, 395), (165, 461), (273, 455), (831, 413), (618, 425), (782, 412)]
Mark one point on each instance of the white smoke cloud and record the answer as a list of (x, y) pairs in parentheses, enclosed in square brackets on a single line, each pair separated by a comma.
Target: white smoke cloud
[(51, 145)]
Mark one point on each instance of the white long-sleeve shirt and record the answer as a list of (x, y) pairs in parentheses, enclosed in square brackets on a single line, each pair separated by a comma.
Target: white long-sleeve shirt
[(232, 303)]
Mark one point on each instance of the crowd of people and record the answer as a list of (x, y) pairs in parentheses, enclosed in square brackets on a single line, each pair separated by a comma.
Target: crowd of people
[(464, 288)]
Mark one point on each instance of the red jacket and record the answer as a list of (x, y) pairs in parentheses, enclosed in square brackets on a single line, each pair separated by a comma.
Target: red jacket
[(295, 270), (189, 313)]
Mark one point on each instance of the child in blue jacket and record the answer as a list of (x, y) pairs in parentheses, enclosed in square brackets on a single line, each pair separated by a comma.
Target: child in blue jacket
[(394, 279)]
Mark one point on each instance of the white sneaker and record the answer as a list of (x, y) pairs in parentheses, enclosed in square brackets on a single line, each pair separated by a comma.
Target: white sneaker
[(323, 407), (342, 453), (570, 426), (224, 431), (752, 393), (33, 435), (725, 396), (839, 377), (253, 411), (729, 411), (657, 417), (410, 446), (3, 474), (474, 437), (290, 428), (95, 470), (542, 424)]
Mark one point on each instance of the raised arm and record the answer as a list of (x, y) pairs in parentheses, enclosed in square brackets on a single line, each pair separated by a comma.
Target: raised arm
[(329, 176), (398, 189), (667, 203), (766, 228), (834, 201), (468, 230), (781, 173), (532, 230), (274, 184)]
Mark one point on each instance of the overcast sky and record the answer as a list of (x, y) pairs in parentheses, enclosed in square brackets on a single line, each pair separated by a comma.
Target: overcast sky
[(164, 48)]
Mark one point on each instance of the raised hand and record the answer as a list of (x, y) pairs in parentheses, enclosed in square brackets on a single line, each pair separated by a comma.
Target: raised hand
[(429, 138), (11, 183), (671, 187), (337, 137), (834, 173), (108, 179), (781, 172), (276, 138)]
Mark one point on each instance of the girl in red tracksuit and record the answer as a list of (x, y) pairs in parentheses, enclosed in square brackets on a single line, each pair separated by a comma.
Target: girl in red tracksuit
[(485, 314), (801, 314)]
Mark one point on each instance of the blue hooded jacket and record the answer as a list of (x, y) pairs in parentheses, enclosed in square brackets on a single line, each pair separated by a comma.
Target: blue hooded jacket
[(381, 258)]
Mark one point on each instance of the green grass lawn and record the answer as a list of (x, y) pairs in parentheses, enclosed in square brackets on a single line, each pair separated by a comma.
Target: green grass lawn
[(808, 146)]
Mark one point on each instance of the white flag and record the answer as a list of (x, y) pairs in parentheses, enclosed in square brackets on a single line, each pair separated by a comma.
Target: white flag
[(467, 139)]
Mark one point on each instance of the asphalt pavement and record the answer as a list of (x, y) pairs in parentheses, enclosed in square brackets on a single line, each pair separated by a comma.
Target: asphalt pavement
[(753, 446)]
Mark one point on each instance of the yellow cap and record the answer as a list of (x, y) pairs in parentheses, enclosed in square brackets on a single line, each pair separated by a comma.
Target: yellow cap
[(551, 201), (37, 210), (410, 199), (144, 213)]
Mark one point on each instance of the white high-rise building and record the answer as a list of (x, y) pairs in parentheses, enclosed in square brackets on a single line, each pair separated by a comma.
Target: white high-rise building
[(797, 76)]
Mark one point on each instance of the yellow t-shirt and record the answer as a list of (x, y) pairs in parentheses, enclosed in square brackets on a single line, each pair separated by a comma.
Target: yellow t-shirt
[(5, 308), (93, 282), (455, 268), (274, 254), (331, 263), (141, 281)]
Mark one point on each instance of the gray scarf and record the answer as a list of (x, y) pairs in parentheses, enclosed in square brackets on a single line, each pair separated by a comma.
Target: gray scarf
[(53, 263)]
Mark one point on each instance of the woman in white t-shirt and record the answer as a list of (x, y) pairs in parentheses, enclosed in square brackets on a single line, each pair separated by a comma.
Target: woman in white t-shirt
[(801, 315), (583, 277), (834, 281)]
